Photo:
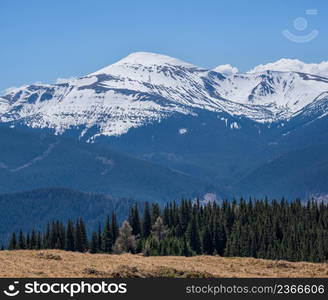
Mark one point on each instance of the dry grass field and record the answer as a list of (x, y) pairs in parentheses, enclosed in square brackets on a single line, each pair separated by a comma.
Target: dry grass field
[(55, 263)]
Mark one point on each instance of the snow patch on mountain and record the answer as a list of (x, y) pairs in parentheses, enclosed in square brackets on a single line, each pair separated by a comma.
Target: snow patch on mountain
[(183, 131), (235, 125)]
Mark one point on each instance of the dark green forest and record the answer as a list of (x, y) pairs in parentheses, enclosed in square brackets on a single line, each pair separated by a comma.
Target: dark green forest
[(34, 209), (293, 231)]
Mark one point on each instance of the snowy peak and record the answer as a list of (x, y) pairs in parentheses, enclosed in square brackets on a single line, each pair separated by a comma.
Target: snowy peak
[(146, 59), (294, 65)]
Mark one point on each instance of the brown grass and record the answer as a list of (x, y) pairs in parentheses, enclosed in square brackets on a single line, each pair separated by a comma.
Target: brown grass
[(55, 263)]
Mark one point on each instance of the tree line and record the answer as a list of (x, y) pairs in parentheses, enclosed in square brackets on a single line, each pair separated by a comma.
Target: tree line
[(262, 229)]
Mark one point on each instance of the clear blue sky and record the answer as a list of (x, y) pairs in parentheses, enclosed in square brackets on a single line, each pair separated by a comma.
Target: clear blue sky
[(45, 40)]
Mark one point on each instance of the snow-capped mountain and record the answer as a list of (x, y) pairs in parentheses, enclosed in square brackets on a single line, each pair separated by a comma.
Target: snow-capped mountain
[(145, 88), (187, 130)]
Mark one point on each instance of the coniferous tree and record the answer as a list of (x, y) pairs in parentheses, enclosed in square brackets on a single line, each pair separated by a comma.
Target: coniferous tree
[(33, 241), (134, 220), (194, 236), (28, 242), (99, 243), (94, 243), (13, 242), (219, 238), (107, 242), (46, 238), (53, 235), (115, 229), (84, 237), (21, 240), (175, 246), (186, 250), (61, 236), (146, 225), (78, 241), (208, 241), (39, 241), (155, 212), (70, 237)]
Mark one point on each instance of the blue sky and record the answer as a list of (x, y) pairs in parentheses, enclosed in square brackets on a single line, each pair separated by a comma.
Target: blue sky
[(45, 40)]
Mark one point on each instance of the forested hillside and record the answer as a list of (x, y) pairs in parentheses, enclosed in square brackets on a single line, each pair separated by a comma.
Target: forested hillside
[(273, 230), (34, 209)]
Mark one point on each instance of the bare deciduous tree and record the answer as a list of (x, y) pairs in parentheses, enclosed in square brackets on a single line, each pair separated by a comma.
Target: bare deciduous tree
[(126, 241), (159, 231)]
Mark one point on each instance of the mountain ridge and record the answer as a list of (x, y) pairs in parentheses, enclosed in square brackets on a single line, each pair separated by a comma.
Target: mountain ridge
[(145, 88)]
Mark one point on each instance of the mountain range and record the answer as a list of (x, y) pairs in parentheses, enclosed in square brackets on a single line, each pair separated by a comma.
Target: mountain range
[(154, 127)]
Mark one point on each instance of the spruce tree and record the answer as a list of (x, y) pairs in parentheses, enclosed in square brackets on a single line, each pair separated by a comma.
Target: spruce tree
[(70, 237), (134, 220), (219, 238), (21, 240), (28, 242), (78, 241), (46, 238), (186, 250), (208, 241), (155, 212), (94, 243), (33, 241), (194, 236), (107, 237), (84, 237), (39, 241), (99, 243), (176, 247), (146, 226), (114, 228), (13, 242), (53, 235)]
